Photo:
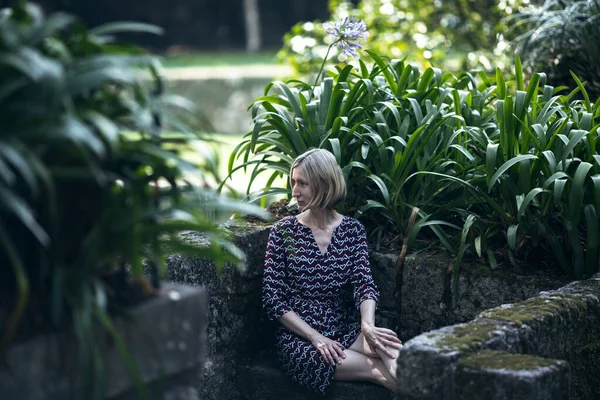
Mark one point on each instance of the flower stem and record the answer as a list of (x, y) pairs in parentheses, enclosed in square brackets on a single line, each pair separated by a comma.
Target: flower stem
[(312, 90)]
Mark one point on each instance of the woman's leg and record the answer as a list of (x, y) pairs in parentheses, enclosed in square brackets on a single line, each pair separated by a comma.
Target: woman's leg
[(359, 367), (360, 345)]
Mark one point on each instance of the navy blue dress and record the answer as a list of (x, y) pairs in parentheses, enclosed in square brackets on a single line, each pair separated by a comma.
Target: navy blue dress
[(298, 277)]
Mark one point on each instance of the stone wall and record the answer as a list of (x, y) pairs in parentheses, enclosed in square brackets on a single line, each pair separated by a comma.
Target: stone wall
[(426, 300), (237, 327), (239, 354), (546, 347), (165, 337)]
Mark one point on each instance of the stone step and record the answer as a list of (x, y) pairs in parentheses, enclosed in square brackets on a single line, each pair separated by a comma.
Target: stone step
[(496, 375), (265, 382)]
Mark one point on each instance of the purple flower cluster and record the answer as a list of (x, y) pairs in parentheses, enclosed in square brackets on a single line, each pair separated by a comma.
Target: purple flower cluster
[(347, 33)]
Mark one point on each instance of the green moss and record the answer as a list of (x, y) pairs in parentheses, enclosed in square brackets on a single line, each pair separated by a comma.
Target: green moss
[(490, 359), (469, 337), (536, 308)]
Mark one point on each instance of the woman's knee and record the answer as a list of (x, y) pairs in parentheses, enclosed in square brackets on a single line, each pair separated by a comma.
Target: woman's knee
[(390, 363), (357, 366)]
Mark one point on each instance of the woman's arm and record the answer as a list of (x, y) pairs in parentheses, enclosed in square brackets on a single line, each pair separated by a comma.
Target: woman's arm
[(378, 338), (275, 289), (294, 323), (367, 295)]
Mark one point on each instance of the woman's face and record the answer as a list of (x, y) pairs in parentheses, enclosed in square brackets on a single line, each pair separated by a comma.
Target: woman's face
[(301, 189)]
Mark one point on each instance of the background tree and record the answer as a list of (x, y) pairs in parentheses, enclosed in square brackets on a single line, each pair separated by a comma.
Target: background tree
[(560, 37), (252, 18), (457, 34), (196, 25)]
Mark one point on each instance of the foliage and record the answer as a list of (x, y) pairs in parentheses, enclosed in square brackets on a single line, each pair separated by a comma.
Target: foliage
[(428, 32), (561, 36), (497, 169), (90, 185)]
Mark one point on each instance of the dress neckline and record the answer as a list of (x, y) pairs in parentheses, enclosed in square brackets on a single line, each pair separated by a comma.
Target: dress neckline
[(314, 239)]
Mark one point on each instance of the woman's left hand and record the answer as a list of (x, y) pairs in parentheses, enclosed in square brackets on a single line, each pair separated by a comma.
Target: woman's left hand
[(381, 338)]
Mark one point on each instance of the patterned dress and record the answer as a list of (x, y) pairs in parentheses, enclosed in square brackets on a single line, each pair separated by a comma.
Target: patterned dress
[(298, 277)]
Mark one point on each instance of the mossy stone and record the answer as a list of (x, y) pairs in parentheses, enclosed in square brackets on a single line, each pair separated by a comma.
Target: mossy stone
[(497, 360), (469, 337)]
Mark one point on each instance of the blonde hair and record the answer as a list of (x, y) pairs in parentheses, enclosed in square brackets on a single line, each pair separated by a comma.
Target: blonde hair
[(324, 176)]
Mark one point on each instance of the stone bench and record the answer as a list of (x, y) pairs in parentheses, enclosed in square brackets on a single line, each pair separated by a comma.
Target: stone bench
[(265, 381)]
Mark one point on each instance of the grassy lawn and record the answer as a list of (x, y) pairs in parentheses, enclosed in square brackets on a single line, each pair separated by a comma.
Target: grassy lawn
[(217, 153), (215, 59)]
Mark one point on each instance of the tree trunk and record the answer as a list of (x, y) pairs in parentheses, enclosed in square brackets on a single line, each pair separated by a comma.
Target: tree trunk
[(252, 17)]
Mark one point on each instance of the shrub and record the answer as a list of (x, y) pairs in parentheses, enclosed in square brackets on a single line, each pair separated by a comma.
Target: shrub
[(91, 182), (504, 171), (561, 36)]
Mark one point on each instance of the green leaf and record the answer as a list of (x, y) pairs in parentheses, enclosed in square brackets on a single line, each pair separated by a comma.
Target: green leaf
[(591, 243), (586, 97), (577, 192), (390, 77), (528, 199), (519, 73), (382, 187), (501, 84), (461, 250), (559, 187), (504, 167), (21, 285), (126, 26), (23, 212), (555, 246), (511, 236), (555, 177), (576, 137), (490, 160)]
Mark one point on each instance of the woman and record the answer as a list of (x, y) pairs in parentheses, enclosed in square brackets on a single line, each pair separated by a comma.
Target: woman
[(310, 259)]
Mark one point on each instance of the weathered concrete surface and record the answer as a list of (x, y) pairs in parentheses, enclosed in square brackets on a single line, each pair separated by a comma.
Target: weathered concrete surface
[(166, 336), (426, 300), (237, 328), (556, 324)]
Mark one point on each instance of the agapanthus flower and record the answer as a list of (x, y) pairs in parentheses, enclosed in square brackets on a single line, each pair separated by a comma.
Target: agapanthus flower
[(347, 33)]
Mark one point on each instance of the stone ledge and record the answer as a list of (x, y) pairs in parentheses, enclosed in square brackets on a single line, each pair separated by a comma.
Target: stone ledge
[(496, 375), (165, 336), (555, 324)]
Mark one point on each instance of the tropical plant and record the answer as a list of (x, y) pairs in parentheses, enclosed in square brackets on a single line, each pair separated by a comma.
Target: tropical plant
[(533, 189), (497, 169), (561, 36), (92, 185)]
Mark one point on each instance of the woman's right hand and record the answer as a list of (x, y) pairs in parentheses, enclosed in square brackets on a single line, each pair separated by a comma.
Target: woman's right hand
[(332, 351)]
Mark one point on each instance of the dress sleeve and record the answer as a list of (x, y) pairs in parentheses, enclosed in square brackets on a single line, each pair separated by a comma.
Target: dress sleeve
[(362, 279), (275, 289)]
